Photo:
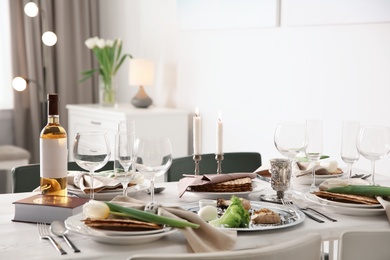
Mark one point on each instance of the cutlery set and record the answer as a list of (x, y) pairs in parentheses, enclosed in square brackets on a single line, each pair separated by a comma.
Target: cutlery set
[(304, 207), (58, 229)]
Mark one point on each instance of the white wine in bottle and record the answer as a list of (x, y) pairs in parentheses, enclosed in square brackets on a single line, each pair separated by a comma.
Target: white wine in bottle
[(53, 152)]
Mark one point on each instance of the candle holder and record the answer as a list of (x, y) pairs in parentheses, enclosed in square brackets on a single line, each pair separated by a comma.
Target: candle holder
[(197, 158), (219, 158)]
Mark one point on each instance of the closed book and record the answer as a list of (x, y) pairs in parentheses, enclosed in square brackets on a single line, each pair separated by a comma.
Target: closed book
[(47, 208)]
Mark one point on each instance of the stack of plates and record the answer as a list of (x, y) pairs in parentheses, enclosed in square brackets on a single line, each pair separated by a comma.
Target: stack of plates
[(346, 208), (75, 224)]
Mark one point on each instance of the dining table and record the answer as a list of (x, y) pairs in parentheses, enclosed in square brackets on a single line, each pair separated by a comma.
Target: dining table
[(21, 241)]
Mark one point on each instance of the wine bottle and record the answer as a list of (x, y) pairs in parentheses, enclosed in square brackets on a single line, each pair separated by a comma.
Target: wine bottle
[(53, 152)]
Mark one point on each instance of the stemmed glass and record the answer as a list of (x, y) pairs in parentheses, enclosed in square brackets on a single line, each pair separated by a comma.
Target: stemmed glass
[(349, 152), (124, 151), (373, 143), (314, 147), (153, 157), (91, 151), (290, 139)]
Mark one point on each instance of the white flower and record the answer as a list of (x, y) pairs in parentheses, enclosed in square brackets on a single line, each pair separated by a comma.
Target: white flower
[(101, 43), (96, 209), (109, 43), (91, 42)]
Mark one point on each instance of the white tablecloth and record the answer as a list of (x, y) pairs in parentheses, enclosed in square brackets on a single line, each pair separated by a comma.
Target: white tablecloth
[(21, 241)]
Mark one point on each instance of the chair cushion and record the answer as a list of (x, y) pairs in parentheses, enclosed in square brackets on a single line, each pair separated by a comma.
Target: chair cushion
[(10, 153)]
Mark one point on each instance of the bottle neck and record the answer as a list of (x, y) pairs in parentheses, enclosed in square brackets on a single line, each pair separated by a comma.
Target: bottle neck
[(53, 119)]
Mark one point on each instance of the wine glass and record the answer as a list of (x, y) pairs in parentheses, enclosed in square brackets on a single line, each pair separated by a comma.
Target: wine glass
[(153, 157), (373, 143), (290, 139), (349, 152), (314, 146), (124, 146), (91, 151)]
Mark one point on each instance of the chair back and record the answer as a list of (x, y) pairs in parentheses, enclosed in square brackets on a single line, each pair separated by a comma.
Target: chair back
[(365, 244), (305, 247), (26, 178), (232, 162)]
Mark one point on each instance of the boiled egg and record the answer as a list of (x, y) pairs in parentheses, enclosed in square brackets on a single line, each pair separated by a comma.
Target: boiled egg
[(208, 213)]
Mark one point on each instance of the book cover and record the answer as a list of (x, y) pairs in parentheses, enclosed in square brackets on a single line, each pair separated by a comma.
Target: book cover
[(47, 208)]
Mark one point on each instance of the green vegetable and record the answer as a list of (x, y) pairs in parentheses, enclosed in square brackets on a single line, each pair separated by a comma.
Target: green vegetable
[(365, 190), (149, 217), (235, 216)]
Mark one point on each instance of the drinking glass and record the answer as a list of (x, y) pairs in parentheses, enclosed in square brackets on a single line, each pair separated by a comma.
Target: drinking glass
[(314, 146), (124, 151), (290, 139), (349, 152), (373, 143), (153, 157), (91, 151), (124, 146)]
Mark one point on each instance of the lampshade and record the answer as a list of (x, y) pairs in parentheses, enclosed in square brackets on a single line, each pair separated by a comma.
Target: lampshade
[(141, 72)]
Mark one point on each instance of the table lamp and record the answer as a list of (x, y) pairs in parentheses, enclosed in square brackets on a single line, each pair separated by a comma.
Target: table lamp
[(141, 74)]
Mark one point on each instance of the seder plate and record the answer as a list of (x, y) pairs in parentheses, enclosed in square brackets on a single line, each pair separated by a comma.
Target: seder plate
[(284, 212)]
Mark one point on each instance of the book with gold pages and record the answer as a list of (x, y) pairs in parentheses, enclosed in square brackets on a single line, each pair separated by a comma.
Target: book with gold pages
[(47, 208)]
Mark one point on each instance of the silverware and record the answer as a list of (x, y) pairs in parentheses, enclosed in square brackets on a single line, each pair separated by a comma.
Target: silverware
[(302, 206), (289, 204), (44, 233), (258, 176), (58, 228)]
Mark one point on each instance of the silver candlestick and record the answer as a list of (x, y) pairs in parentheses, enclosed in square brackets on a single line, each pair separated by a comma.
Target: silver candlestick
[(197, 158), (219, 158)]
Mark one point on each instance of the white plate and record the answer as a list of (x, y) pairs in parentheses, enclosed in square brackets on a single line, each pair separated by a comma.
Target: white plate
[(308, 179), (130, 233), (226, 195), (74, 223), (345, 210), (109, 195), (283, 211), (345, 204)]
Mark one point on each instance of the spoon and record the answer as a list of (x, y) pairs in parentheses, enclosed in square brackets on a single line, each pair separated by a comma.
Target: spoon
[(58, 228), (156, 190)]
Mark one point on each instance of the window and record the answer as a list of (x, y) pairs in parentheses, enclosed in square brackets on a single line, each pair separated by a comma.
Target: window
[(6, 90)]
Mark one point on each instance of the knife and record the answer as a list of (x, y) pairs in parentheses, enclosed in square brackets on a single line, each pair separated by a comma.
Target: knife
[(263, 178), (312, 217)]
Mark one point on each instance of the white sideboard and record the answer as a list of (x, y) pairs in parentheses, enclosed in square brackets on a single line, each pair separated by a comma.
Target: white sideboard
[(153, 121)]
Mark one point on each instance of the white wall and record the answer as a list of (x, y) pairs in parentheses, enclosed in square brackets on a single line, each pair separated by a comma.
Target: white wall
[(259, 76)]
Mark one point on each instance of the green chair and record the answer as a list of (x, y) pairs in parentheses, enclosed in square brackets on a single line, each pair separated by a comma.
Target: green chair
[(27, 177), (232, 162)]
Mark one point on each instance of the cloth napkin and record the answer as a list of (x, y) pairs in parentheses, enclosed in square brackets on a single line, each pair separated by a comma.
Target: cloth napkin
[(82, 180), (198, 180), (206, 238), (386, 205), (301, 169)]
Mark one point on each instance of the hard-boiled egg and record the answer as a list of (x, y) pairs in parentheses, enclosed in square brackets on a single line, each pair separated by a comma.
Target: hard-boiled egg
[(208, 213)]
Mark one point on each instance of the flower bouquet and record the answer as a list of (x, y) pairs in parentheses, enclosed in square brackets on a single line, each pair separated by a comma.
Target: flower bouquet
[(110, 58)]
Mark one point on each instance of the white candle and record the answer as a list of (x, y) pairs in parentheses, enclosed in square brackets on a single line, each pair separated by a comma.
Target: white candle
[(197, 138), (219, 134)]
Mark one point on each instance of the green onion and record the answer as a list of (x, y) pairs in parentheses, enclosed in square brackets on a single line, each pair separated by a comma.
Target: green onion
[(365, 190), (149, 217)]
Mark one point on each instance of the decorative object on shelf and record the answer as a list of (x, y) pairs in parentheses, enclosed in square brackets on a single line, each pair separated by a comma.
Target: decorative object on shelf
[(110, 58), (141, 74)]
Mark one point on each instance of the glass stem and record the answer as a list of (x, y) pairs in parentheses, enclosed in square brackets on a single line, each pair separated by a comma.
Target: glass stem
[(349, 170), (373, 172), (152, 189), (313, 184), (91, 191), (124, 186)]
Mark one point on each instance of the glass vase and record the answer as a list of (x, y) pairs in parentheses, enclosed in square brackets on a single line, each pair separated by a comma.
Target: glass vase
[(107, 87)]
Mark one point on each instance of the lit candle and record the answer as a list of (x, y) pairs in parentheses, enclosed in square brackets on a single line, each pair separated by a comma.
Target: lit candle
[(197, 123), (219, 134)]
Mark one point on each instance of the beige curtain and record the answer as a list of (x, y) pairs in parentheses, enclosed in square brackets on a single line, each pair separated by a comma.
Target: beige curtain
[(55, 69)]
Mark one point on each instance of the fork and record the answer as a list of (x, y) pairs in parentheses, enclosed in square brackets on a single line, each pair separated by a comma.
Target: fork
[(44, 233), (289, 204)]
